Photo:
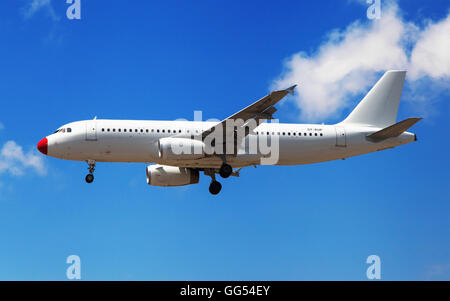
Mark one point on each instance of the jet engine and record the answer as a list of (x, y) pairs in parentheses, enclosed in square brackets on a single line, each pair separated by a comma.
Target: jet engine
[(180, 148), (163, 175)]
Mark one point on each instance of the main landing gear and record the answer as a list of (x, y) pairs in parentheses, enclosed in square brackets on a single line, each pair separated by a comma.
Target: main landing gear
[(215, 187), (90, 177), (224, 171)]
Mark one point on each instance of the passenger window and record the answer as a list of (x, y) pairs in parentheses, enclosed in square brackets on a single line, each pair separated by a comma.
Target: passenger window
[(146, 130), (119, 130), (310, 134), (284, 133), (108, 130), (125, 130), (321, 134), (179, 131), (103, 130), (163, 131), (289, 133), (293, 133), (114, 130), (157, 130), (142, 130)]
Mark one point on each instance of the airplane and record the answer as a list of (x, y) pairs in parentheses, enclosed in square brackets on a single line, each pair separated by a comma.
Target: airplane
[(370, 127)]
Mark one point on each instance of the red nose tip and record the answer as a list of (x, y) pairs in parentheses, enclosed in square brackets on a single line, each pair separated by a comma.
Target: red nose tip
[(43, 146)]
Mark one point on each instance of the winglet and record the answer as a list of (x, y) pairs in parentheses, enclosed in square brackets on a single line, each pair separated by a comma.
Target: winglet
[(291, 89)]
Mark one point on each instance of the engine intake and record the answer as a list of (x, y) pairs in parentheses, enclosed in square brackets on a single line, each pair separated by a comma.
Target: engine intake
[(163, 175)]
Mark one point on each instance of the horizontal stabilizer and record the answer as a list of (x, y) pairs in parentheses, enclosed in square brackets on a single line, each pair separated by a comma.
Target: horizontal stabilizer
[(393, 130)]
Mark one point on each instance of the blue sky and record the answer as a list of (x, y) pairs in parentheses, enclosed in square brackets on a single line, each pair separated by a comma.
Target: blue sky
[(163, 60)]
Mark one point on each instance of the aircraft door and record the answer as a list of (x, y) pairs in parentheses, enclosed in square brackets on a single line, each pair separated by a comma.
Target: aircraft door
[(341, 139), (91, 130)]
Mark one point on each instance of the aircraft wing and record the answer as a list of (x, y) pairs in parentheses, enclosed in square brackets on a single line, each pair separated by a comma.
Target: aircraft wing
[(259, 111)]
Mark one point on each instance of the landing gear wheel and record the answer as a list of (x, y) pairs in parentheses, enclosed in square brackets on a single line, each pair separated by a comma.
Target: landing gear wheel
[(91, 168), (89, 178), (215, 187), (225, 171)]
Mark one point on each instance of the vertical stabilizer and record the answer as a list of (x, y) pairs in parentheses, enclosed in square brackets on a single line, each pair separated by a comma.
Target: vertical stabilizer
[(380, 106)]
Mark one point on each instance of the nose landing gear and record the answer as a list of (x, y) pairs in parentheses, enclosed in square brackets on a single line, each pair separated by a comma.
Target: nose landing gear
[(90, 177)]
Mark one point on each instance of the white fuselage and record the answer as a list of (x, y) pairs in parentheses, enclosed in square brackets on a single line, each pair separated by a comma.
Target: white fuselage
[(136, 141)]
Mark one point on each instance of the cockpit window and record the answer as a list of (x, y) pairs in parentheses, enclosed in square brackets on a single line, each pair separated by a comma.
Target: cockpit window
[(63, 130)]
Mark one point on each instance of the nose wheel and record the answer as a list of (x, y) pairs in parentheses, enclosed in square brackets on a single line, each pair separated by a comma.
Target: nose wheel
[(90, 177)]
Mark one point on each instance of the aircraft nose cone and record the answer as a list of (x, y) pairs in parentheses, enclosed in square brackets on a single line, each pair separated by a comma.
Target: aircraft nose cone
[(43, 146)]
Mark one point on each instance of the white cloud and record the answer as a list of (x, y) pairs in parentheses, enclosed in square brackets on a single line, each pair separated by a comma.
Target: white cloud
[(15, 161), (430, 56), (350, 60), (36, 5)]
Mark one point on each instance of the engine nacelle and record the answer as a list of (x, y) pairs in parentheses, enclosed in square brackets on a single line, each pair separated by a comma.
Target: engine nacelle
[(180, 149), (163, 175)]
